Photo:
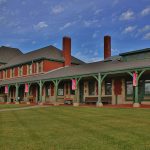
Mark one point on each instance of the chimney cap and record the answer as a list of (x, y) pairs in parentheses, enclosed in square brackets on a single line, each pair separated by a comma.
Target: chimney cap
[(67, 37)]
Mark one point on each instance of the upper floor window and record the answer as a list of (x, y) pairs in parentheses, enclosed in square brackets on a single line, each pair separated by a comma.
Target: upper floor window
[(1, 74), (12, 72), (20, 70), (4, 74), (40, 66), (108, 88), (30, 69)]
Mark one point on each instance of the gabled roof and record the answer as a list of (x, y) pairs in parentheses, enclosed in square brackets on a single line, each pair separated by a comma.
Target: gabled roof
[(49, 52), (135, 52), (7, 53)]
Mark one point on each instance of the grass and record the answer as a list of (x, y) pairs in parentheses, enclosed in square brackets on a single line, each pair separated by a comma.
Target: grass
[(70, 128), (6, 106)]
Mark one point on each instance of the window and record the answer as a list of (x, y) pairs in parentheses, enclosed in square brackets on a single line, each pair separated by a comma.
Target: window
[(60, 89), (129, 88), (147, 86), (4, 74), (1, 76), (12, 72), (20, 69), (108, 88), (91, 86), (47, 89), (30, 69), (39, 66)]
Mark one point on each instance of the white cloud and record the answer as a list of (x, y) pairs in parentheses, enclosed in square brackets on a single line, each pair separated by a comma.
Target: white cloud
[(115, 51), (129, 29), (145, 11), (57, 9), (147, 36), (41, 25), (33, 42), (3, 1), (88, 23), (67, 25), (145, 28), (128, 15), (98, 11), (115, 2)]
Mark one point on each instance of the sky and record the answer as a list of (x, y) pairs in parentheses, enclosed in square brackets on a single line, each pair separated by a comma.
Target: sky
[(33, 24)]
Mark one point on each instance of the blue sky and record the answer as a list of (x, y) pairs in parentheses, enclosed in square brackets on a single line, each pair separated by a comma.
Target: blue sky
[(32, 24)]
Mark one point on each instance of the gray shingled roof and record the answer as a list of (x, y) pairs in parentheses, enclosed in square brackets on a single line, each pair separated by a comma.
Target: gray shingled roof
[(84, 69), (49, 52), (7, 53)]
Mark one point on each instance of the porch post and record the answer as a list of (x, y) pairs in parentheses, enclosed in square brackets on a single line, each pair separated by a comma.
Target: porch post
[(16, 93), (136, 94), (99, 102), (41, 84), (27, 93), (8, 97), (56, 82)]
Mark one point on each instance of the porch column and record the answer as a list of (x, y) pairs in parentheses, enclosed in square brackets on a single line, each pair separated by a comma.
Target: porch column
[(8, 97), (56, 82), (40, 96), (136, 94), (99, 102), (17, 92), (27, 92)]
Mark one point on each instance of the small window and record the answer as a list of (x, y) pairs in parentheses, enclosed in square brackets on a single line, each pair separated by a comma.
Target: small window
[(108, 88), (129, 88), (147, 87), (20, 70), (60, 89), (47, 88), (12, 72), (30, 69), (91, 86), (39, 67)]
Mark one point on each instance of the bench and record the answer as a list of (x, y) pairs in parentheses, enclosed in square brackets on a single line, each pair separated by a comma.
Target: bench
[(91, 99), (104, 100), (68, 101), (31, 99)]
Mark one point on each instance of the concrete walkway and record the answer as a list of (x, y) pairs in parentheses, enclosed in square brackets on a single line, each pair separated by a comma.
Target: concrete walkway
[(21, 108)]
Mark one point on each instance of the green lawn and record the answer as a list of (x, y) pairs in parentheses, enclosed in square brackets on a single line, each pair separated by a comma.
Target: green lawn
[(70, 128), (6, 106)]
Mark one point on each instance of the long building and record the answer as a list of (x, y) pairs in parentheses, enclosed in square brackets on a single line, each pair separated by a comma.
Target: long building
[(50, 75)]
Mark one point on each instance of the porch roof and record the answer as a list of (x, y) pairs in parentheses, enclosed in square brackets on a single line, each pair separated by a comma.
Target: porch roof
[(85, 69)]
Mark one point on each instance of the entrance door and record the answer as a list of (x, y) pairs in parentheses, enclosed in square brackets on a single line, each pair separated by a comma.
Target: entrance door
[(81, 91)]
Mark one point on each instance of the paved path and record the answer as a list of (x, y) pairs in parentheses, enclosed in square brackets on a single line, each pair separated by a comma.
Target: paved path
[(21, 108)]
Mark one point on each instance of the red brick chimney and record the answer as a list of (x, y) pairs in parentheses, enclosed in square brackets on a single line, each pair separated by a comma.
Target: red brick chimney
[(67, 50), (107, 46)]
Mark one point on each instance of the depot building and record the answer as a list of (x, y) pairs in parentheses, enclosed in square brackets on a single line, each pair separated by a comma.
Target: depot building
[(52, 76)]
